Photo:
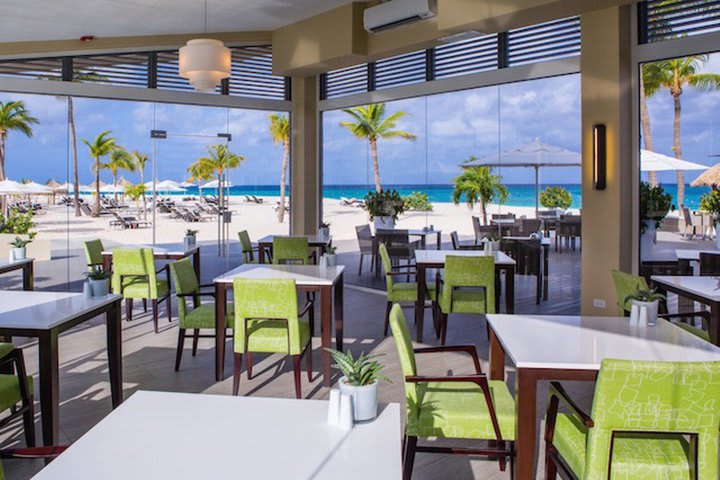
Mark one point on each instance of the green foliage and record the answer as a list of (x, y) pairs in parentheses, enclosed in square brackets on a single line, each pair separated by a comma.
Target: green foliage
[(478, 184), (710, 204), (556, 197), (22, 243), (360, 371), (190, 233), (369, 122), (134, 192), (324, 224), (492, 237), (642, 295), (655, 204), (418, 201), (98, 273), (16, 222), (385, 203), (331, 249)]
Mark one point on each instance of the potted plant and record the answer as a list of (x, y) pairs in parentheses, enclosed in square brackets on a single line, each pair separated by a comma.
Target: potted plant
[(99, 279), (648, 299), (710, 204), (360, 380), (19, 246), (655, 204), (330, 256), (324, 230), (384, 207), (190, 239), (556, 198), (492, 241)]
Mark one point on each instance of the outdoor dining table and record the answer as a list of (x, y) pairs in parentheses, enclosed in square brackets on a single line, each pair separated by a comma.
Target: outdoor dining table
[(425, 259), (545, 244), (685, 257), (328, 281), (45, 315), (26, 265), (705, 290), (423, 234), (314, 241), (232, 437), (500, 222), (571, 348), (173, 251)]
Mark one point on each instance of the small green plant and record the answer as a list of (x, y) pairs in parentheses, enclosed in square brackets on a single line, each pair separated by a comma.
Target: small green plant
[(655, 204), (418, 201), (556, 197), (16, 222), (190, 233), (642, 295), (360, 371), (324, 224), (330, 250), (21, 242), (97, 274), (710, 204), (385, 203), (493, 237)]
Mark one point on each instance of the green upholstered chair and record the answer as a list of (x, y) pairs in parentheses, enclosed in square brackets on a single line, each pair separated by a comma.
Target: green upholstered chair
[(401, 292), (248, 249), (627, 284), (649, 420), (462, 407), (16, 391), (468, 287), (134, 277), (292, 250), (93, 254), (201, 316), (267, 321)]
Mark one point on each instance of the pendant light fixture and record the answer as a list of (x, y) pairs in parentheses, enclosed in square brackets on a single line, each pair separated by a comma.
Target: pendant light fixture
[(204, 61)]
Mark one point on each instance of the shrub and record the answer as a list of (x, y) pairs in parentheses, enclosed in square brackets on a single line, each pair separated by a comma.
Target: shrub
[(710, 204), (385, 203), (655, 204), (556, 197), (16, 222), (418, 201)]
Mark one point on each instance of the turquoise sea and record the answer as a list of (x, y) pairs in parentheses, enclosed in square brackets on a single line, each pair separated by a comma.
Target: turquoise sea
[(520, 195)]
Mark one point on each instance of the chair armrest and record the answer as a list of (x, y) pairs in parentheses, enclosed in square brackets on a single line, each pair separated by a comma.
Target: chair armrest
[(402, 267), (556, 390), (32, 452), (166, 267), (703, 314), (207, 285), (196, 294), (469, 349), (305, 309), (401, 274)]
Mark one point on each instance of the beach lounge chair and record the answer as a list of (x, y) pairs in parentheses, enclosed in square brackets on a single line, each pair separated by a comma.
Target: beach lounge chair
[(256, 199)]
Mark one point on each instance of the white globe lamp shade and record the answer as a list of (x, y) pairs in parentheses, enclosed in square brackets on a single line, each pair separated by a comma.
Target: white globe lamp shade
[(204, 62)]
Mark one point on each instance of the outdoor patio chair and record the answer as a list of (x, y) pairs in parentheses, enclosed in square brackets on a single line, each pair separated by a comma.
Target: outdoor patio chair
[(365, 245), (201, 315), (402, 292), (528, 257), (482, 231), (503, 216), (467, 407), (289, 250), (468, 287), (529, 226), (16, 391), (568, 228), (135, 277), (709, 264), (248, 249), (267, 321), (693, 223), (648, 420), (93, 254), (458, 245), (398, 246)]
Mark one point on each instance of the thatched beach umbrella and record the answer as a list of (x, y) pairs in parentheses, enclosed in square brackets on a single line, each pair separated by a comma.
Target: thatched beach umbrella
[(124, 182), (709, 178)]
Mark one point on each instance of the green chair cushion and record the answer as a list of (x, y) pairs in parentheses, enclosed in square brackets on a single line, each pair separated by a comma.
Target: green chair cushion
[(698, 332), (635, 457), (271, 336), (458, 410), (138, 288), (6, 348), (10, 390), (204, 317), (407, 292), (465, 300)]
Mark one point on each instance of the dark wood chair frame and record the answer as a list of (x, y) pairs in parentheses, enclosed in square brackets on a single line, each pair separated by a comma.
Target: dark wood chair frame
[(397, 270), (15, 361), (156, 301), (458, 245)]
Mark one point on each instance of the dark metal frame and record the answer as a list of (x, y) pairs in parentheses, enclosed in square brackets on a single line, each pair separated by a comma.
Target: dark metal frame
[(14, 360), (27, 268), (655, 17)]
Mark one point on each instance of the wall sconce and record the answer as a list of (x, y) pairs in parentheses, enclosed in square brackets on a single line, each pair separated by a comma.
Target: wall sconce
[(599, 156)]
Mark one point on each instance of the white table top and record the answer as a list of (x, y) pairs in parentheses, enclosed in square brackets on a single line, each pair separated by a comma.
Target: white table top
[(312, 239), (438, 256), (581, 343), (692, 255), (178, 436), (502, 221), (45, 310), (422, 232), (161, 249), (707, 287), (304, 275), (4, 264)]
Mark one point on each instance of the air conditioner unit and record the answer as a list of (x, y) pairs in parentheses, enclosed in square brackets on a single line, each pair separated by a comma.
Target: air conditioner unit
[(396, 13)]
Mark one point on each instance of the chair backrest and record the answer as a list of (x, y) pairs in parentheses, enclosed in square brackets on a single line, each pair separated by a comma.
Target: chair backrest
[(680, 397), (387, 265), (135, 262), (186, 282), (364, 237), (455, 240), (686, 215), (503, 216), (396, 241), (403, 342), (626, 284), (290, 250), (529, 225), (470, 272), (709, 264), (93, 253), (528, 255), (266, 299), (85, 209), (246, 245)]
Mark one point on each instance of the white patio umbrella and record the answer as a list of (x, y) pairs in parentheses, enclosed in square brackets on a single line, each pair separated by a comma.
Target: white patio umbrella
[(657, 162), (186, 184), (534, 155), (33, 188), (110, 188), (11, 187), (216, 184), (165, 186)]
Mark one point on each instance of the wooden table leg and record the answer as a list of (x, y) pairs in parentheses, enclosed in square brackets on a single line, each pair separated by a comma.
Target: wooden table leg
[(525, 426), (220, 312), (261, 252), (107, 262), (420, 304), (28, 276), (49, 387), (715, 323), (339, 314), (114, 346), (546, 270), (439, 240), (510, 290), (326, 331), (196, 264), (497, 358)]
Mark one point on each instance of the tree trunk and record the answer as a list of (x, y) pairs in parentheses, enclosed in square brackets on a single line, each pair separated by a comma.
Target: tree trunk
[(3, 198), (142, 182), (96, 207), (73, 146), (484, 213), (646, 131), (376, 166), (114, 174), (678, 150), (283, 178)]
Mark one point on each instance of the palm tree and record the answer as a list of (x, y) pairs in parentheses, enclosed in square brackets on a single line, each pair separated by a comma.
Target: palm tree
[(119, 160), (674, 75), (140, 160), (13, 116), (100, 147), (135, 192), (220, 160), (478, 184), (280, 133), (200, 172), (649, 85), (370, 123)]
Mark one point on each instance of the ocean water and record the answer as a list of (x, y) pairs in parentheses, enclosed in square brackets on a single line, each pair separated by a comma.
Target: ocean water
[(520, 195)]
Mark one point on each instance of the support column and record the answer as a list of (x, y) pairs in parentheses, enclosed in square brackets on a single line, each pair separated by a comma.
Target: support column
[(606, 99), (305, 157)]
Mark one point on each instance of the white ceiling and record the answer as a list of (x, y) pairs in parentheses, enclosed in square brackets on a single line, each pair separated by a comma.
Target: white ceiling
[(27, 20)]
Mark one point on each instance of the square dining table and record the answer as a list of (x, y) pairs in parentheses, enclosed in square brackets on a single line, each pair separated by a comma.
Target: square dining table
[(170, 251), (314, 241), (425, 259), (26, 265), (327, 281), (571, 348), (45, 315)]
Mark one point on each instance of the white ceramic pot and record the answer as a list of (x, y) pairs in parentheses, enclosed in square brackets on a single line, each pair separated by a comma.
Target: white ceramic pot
[(647, 239), (717, 236), (384, 223), (330, 260), (324, 232), (364, 399), (18, 253), (189, 242), (652, 310), (100, 288)]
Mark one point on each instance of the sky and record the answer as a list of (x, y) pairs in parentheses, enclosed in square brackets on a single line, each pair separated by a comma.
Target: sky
[(449, 128)]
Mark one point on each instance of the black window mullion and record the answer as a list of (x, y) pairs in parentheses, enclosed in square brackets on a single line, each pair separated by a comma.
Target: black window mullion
[(503, 51)]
